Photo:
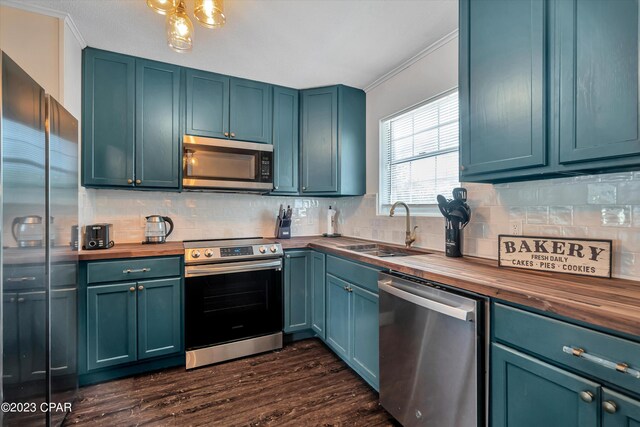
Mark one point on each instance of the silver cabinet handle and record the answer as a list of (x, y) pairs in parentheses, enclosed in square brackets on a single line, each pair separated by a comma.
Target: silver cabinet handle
[(139, 270), (132, 289), (21, 279), (609, 406), (618, 366), (586, 396), (140, 287), (226, 134), (232, 267), (20, 299), (233, 135)]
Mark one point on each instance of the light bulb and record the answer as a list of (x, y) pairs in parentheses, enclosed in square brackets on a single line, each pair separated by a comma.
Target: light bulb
[(179, 30), (163, 7), (210, 13)]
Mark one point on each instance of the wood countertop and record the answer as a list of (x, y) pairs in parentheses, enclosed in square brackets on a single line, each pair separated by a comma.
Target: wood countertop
[(608, 303), (133, 250)]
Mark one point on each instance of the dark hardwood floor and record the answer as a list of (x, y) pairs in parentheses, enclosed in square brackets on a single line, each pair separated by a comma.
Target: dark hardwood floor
[(304, 384)]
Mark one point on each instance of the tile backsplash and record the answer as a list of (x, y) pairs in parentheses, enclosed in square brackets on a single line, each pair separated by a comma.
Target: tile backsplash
[(594, 206)]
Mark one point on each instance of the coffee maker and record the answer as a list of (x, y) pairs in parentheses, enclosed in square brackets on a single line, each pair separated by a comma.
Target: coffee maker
[(457, 214)]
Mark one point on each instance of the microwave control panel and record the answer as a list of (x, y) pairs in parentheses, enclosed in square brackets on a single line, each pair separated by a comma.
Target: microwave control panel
[(266, 160)]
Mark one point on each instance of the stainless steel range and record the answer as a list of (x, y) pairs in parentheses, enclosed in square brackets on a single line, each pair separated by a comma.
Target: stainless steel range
[(233, 299)]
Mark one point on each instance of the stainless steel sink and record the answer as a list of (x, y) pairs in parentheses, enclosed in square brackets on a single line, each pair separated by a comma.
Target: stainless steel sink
[(383, 251)]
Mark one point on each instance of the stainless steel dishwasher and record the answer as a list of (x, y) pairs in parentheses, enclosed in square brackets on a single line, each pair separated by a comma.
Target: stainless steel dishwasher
[(431, 353)]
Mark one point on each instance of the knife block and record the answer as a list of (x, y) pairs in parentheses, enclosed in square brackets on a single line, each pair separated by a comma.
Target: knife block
[(283, 228)]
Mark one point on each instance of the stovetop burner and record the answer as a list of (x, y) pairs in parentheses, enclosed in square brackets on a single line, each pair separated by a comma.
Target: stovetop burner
[(225, 250)]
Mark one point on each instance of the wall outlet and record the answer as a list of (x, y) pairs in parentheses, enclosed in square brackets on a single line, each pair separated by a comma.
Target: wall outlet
[(515, 228)]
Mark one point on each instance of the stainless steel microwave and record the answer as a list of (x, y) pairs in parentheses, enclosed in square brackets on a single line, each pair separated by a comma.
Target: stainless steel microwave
[(227, 165)]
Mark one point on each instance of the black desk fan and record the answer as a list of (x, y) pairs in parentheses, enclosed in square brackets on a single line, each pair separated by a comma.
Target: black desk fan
[(457, 214)]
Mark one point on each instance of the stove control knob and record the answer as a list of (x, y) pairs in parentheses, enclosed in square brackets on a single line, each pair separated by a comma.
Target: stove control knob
[(262, 249), (274, 249), (195, 254), (208, 253)]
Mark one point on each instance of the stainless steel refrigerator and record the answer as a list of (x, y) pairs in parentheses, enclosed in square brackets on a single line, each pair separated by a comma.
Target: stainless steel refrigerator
[(39, 210)]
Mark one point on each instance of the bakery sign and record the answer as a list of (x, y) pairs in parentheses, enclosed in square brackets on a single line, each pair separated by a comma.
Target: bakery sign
[(575, 256)]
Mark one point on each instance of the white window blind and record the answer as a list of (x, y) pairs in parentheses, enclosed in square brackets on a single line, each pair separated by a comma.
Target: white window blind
[(420, 153)]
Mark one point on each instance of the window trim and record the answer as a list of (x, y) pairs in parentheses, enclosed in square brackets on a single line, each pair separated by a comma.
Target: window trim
[(430, 210)]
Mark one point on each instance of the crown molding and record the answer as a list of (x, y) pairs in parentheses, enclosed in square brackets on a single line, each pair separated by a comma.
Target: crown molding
[(409, 62), (30, 7)]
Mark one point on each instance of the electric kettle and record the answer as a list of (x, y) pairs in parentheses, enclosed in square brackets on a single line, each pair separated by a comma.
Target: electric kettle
[(28, 231), (155, 230)]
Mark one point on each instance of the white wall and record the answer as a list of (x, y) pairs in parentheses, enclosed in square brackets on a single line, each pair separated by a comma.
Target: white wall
[(32, 40), (434, 73)]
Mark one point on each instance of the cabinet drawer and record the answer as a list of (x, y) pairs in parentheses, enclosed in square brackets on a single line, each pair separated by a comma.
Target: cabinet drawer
[(133, 269), (358, 274), (546, 337)]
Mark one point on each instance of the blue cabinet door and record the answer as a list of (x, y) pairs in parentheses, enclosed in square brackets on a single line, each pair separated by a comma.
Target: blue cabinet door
[(207, 99), (599, 87), (108, 119), (285, 140), (364, 355), (529, 393), (318, 288), (111, 325), (627, 410), (319, 143), (159, 317), (297, 291), (158, 151), (338, 319), (502, 85), (250, 111)]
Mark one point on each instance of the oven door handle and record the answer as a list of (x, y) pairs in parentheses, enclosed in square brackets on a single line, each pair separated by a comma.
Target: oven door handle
[(234, 267)]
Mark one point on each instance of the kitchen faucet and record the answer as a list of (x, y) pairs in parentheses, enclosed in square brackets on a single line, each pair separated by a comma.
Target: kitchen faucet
[(410, 236)]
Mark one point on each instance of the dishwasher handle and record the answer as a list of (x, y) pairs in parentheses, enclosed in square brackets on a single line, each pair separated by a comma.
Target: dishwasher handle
[(463, 313)]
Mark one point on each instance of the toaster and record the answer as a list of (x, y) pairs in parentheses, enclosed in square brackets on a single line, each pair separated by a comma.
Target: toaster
[(97, 236)]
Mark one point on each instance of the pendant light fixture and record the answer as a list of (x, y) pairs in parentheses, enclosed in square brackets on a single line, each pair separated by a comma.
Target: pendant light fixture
[(179, 29), (210, 13), (163, 7)]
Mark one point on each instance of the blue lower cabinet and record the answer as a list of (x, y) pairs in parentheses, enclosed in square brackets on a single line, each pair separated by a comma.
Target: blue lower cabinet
[(111, 325), (364, 332), (318, 289), (159, 320), (625, 411), (338, 316), (297, 292), (527, 392)]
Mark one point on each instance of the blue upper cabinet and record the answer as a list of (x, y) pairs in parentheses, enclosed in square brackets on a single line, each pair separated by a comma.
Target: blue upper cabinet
[(502, 85), (130, 122), (207, 99), (250, 111), (158, 150), (108, 119), (598, 91), (548, 88), (285, 140), (333, 141)]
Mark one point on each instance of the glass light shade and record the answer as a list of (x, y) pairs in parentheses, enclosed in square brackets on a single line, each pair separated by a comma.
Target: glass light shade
[(210, 13), (179, 30), (163, 7)]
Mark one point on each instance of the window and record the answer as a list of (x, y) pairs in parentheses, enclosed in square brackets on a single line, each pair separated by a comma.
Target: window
[(419, 154)]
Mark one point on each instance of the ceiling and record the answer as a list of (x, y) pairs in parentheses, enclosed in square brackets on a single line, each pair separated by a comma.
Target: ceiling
[(296, 43)]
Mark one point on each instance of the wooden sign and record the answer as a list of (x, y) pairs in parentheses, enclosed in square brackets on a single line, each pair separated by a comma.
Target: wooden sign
[(574, 256)]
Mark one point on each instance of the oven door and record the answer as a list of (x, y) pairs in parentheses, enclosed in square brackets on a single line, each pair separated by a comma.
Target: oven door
[(231, 165), (232, 301)]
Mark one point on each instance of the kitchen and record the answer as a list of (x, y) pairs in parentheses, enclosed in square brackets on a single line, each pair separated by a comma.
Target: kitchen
[(246, 212)]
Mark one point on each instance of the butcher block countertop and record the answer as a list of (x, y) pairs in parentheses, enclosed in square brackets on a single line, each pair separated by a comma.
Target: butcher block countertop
[(608, 303), (133, 250)]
